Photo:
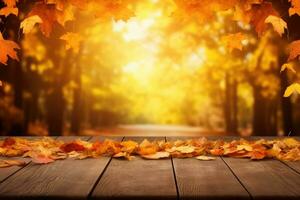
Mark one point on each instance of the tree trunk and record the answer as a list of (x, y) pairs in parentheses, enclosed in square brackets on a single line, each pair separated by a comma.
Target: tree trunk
[(55, 111), (259, 126), (76, 112), (286, 106), (230, 105)]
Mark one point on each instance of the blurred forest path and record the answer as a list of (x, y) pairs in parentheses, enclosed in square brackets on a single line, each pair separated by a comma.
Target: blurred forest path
[(152, 130)]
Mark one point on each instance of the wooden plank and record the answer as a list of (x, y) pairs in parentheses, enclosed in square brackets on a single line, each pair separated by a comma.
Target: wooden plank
[(6, 172), (138, 178), (206, 179), (266, 179), (64, 178)]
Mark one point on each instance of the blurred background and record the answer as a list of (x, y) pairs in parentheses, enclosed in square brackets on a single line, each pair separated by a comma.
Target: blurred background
[(152, 74)]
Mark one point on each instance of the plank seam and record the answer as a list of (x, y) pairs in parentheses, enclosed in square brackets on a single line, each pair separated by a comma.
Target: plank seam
[(100, 176), (289, 167), (251, 197), (174, 174)]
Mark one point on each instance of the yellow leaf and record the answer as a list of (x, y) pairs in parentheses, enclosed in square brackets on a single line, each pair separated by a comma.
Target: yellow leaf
[(288, 66), (28, 23), (185, 149), (205, 158), (295, 87), (244, 147), (278, 24), (157, 155), (291, 142)]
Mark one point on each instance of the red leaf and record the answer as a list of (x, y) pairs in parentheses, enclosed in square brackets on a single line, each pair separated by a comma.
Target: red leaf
[(72, 146)]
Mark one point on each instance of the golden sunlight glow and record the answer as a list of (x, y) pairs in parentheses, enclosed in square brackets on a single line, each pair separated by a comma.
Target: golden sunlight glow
[(156, 63)]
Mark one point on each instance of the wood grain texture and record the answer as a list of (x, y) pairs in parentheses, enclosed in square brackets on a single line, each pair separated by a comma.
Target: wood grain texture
[(206, 179), (61, 179), (137, 179), (266, 179)]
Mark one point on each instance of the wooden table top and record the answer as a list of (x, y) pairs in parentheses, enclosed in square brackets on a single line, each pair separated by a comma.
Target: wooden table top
[(174, 178)]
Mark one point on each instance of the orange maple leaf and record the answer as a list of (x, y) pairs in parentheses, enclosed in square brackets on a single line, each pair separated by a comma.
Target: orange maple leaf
[(9, 10), (72, 41), (10, 3), (7, 48), (48, 15), (259, 16), (118, 10), (295, 7), (294, 49), (233, 41)]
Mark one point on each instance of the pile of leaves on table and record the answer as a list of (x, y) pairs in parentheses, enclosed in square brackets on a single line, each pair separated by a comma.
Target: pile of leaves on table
[(47, 150)]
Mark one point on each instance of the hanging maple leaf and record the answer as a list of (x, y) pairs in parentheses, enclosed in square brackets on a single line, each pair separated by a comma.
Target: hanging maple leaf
[(295, 7), (81, 4), (259, 15), (294, 49), (293, 88), (48, 15), (117, 10), (72, 41), (233, 41), (7, 48), (28, 23), (66, 15), (59, 4), (288, 66), (9, 10), (10, 3), (278, 24)]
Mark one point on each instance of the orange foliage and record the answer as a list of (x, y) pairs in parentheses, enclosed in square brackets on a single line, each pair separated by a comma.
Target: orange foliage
[(47, 150)]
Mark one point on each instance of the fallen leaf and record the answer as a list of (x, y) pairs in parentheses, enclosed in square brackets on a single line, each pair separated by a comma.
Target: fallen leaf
[(42, 159), (7, 49), (185, 149), (293, 88), (72, 146), (205, 158), (28, 23), (278, 24), (157, 155), (244, 147), (8, 163)]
